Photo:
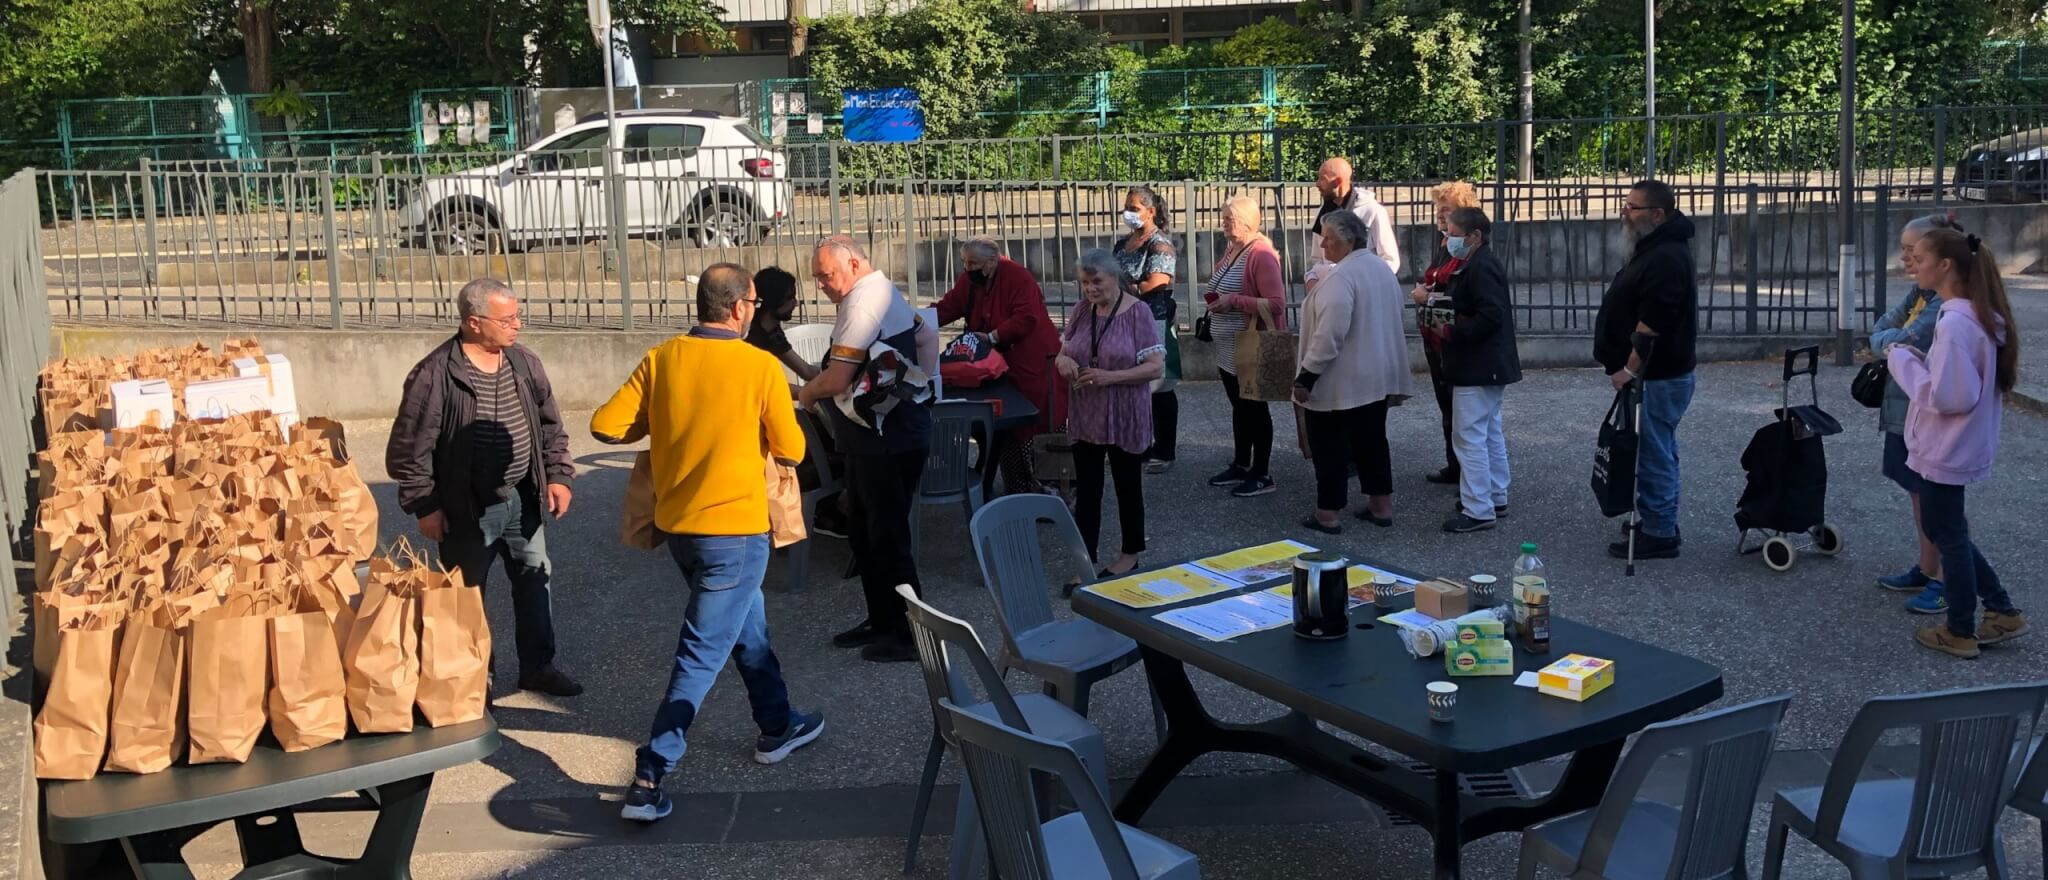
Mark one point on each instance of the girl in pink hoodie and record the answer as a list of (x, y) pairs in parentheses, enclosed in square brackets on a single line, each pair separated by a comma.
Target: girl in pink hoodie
[(1956, 392)]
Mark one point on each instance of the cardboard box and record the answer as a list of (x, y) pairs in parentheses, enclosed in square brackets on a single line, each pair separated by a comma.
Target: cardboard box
[(1484, 657), (1576, 677), (221, 398), (1441, 599), (283, 390), (138, 402)]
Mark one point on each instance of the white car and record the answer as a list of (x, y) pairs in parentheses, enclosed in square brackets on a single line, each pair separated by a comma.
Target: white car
[(691, 173)]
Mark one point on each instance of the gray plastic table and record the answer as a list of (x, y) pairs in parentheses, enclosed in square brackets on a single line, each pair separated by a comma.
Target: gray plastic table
[(1367, 685), (154, 816), (1018, 411)]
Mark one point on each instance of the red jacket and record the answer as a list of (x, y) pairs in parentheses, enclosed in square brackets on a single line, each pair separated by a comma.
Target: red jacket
[(1013, 308)]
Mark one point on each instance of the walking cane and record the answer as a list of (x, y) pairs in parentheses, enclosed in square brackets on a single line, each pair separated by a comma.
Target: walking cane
[(1643, 345)]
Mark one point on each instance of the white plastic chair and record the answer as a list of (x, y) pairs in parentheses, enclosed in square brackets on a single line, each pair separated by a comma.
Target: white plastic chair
[(2031, 797), (810, 342), (1088, 843), (1939, 822)]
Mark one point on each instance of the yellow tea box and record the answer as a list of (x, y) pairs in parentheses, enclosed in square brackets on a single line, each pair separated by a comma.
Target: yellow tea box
[(1576, 677)]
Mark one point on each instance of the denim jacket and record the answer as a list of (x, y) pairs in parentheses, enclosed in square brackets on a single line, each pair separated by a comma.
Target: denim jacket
[(1919, 333)]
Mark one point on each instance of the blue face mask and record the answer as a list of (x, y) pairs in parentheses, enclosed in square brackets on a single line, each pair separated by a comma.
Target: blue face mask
[(1458, 247)]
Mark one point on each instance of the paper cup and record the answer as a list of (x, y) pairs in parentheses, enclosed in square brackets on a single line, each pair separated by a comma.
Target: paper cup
[(1443, 700)]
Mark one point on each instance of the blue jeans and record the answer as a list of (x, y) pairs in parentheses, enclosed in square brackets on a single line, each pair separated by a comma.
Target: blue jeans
[(511, 530), (1966, 577), (726, 616), (1664, 404)]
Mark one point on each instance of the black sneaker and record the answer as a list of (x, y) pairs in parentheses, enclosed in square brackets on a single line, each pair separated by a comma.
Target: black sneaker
[(890, 649), (1158, 465), (551, 681), (829, 522), (1462, 524), (1253, 487), (1230, 476), (860, 636), (802, 730), (1648, 547), (1448, 476), (1500, 511), (646, 803)]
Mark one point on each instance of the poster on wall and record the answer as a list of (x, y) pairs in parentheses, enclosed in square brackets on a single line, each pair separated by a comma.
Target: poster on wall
[(887, 116)]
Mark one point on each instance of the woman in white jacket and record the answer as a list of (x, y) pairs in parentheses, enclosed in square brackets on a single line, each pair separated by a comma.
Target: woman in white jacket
[(1354, 362)]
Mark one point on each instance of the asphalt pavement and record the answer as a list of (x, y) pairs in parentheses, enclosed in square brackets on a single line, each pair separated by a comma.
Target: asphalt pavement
[(546, 804)]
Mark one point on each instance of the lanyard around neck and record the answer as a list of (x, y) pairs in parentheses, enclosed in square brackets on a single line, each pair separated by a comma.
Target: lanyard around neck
[(1095, 329)]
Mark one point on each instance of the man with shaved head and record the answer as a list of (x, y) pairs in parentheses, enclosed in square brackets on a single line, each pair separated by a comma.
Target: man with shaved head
[(1333, 180), (885, 453), (712, 408)]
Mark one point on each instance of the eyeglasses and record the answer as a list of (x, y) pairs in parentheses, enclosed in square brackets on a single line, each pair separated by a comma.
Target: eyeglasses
[(513, 321)]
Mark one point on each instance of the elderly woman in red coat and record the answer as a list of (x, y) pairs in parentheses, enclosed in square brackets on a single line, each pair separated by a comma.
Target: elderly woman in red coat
[(1001, 301)]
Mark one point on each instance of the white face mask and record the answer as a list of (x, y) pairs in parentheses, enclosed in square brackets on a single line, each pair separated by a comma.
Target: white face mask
[(1132, 220)]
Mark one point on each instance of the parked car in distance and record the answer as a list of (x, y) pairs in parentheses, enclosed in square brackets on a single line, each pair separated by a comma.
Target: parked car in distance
[(2013, 168), (688, 173)]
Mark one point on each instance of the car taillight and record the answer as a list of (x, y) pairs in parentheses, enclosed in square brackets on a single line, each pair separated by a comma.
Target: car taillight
[(762, 168)]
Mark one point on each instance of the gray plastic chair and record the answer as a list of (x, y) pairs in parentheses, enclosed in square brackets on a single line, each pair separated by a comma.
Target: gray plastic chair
[(940, 639), (952, 475), (1068, 655), (1088, 843), (2031, 796), (1705, 836), (1941, 821), (798, 555)]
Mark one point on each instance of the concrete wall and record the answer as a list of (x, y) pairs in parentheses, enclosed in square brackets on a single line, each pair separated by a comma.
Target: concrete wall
[(359, 374)]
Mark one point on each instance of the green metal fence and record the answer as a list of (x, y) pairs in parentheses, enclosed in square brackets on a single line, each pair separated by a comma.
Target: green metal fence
[(117, 132), (1097, 97)]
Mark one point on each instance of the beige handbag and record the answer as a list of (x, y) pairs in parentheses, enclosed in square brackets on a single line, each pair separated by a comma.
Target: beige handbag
[(1265, 359)]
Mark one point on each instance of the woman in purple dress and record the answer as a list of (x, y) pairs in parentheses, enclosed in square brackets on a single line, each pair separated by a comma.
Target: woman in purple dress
[(1109, 355)]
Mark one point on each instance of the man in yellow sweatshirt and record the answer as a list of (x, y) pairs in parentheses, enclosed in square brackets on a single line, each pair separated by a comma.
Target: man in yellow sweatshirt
[(713, 408)]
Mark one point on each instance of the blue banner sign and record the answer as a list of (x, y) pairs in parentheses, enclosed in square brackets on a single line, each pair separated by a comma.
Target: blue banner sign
[(888, 116)]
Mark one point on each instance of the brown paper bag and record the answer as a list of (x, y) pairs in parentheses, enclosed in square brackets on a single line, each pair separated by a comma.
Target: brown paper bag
[(455, 653), (636, 522), (1266, 363), (71, 729), (230, 655), (785, 505), (308, 706), (381, 660), (147, 728)]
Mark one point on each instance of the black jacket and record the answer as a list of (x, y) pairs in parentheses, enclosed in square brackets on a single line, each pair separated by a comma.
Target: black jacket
[(1657, 289), (1481, 347), (428, 455)]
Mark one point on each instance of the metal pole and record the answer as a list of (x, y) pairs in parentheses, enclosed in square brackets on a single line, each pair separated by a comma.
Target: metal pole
[(1846, 286), (614, 172), (1940, 151), (333, 248), (149, 253), (1650, 88), (909, 241), (1525, 171)]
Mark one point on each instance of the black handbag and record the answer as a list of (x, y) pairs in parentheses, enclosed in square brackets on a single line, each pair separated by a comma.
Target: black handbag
[(1868, 386), (1202, 333), (1614, 462)]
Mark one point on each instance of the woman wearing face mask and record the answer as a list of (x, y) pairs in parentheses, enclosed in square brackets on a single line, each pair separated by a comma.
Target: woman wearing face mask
[(1910, 322), (1956, 396), (1149, 260), (1479, 363), (1001, 302), (1433, 313)]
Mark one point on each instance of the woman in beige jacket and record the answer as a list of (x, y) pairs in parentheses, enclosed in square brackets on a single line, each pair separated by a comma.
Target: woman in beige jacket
[(1354, 362)]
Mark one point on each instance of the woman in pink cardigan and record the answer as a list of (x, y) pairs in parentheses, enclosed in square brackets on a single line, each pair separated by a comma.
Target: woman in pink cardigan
[(1955, 392), (1246, 277)]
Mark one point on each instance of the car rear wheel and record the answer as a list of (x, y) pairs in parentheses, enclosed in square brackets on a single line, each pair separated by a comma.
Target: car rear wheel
[(466, 232), (722, 224)]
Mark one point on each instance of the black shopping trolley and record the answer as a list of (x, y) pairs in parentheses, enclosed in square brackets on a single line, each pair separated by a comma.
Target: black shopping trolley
[(1786, 494)]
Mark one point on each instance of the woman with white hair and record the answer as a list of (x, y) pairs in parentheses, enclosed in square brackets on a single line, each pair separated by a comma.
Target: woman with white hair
[(1245, 290), (1354, 362)]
